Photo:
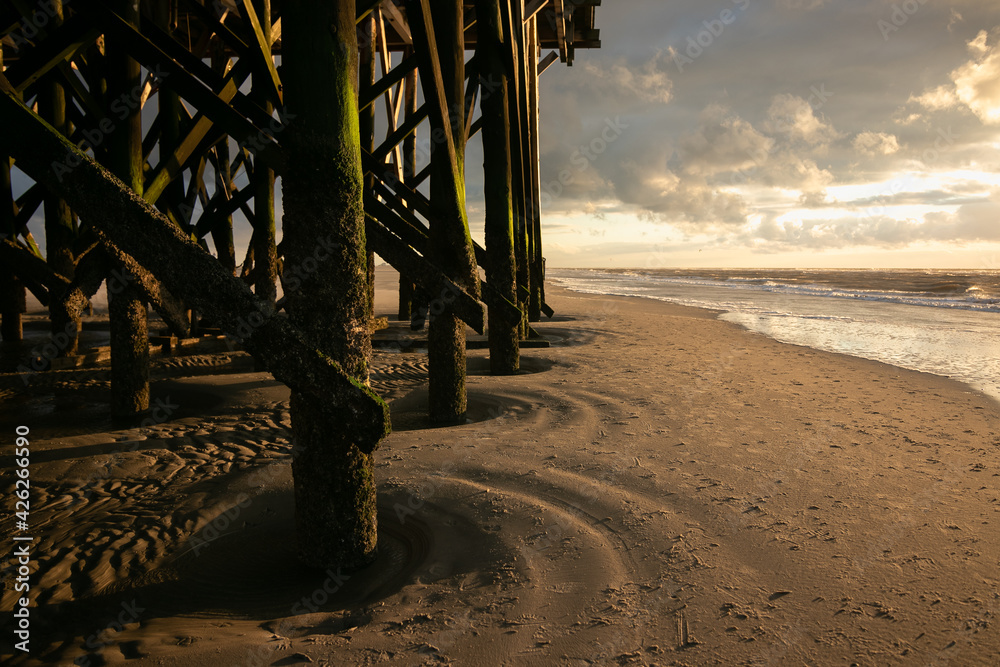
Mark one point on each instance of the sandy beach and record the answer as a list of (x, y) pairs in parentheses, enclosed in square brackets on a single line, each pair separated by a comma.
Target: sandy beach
[(656, 488)]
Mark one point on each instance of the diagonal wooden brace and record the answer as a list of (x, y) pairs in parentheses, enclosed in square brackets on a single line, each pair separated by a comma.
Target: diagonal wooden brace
[(134, 229)]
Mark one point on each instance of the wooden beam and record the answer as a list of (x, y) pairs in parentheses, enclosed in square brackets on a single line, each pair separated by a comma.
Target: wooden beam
[(365, 8), (534, 220), (533, 7), (262, 54), (547, 62), (514, 55), (61, 44), (26, 264), (393, 100), (186, 74), (396, 220), (407, 308), (384, 84), (87, 101), (397, 21), (60, 223), (560, 17), (25, 207), (134, 228), (171, 166), (12, 294), (432, 81), (471, 93), (424, 174), (127, 306), (428, 277), (93, 269), (396, 192), (408, 127), (216, 25), (324, 225)]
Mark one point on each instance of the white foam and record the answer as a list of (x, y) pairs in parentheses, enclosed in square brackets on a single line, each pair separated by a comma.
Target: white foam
[(956, 336)]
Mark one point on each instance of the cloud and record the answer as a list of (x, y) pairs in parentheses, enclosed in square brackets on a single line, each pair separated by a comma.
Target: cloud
[(978, 45), (942, 97), (722, 143), (795, 117), (727, 149), (876, 143), (788, 169), (975, 84), (682, 199), (786, 117), (625, 81), (954, 19), (971, 223), (800, 4)]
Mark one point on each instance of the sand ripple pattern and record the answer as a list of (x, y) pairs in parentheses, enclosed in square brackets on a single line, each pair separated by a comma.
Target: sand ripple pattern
[(702, 498)]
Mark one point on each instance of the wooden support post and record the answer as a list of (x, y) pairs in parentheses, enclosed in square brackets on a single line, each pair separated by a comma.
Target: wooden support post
[(169, 120), (12, 295), (222, 230), (367, 36), (126, 306), (60, 230), (511, 11), (265, 255), (407, 294), (500, 268), (440, 43), (536, 280), (222, 227), (263, 242), (324, 239), (405, 311)]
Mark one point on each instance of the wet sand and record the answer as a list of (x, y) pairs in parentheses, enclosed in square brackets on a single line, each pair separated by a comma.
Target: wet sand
[(658, 487)]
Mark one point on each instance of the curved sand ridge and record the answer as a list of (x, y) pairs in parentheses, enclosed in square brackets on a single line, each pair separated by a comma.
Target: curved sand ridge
[(659, 488)]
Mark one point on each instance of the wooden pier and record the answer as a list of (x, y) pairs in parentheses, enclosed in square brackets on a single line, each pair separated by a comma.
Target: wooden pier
[(134, 121)]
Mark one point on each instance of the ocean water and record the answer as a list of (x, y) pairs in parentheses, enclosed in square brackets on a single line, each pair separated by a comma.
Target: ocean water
[(941, 322)]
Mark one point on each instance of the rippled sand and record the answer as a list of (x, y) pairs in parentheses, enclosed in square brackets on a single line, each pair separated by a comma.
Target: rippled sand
[(658, 487)]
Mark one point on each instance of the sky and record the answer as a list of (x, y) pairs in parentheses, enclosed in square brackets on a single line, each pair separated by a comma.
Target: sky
[(774, 133), (767, 133)]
